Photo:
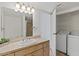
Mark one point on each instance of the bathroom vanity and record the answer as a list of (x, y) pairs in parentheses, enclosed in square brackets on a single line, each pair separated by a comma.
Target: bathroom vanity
[(15, 24), (32, 47)]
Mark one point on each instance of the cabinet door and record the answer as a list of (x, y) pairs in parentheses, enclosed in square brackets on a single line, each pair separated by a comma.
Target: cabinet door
[(46, 51), (21, 53), (38, 53)]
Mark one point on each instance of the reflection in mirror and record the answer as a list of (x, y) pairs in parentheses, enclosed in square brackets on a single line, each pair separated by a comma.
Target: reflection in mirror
[(13, 24), (29, 25)]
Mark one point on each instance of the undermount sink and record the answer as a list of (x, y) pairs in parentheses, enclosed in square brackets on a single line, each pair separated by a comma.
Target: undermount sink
[(26, 41)]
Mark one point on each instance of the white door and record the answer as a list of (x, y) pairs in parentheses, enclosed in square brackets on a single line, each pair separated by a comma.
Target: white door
[(12, 24), (53, 33)]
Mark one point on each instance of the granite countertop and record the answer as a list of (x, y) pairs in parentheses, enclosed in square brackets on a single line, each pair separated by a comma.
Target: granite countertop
[(10, 47)]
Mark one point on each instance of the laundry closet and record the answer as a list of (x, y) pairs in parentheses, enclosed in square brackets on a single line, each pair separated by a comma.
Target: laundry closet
[(67, 27)]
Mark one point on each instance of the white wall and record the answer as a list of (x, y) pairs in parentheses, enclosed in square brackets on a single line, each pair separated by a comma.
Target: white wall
[(41, 24), (46, 26), (68, 22)]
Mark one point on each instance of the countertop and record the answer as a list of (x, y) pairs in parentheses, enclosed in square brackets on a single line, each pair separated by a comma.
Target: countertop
[(14, 46)]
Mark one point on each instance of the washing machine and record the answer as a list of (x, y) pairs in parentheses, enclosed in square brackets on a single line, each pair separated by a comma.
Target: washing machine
[(73, 44), (61, 41)]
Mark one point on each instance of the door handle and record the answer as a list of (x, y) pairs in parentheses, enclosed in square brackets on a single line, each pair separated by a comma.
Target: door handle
[(54, 33)]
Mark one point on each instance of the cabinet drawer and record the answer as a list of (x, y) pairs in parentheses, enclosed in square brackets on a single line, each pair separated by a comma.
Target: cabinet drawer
[(38, 53), (46, 44)]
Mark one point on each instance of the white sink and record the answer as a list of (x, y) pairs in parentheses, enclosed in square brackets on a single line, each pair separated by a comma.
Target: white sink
[(26, 41)]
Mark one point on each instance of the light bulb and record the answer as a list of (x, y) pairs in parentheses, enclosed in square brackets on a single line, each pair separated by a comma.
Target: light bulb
[(28, 8), (32, 10), (23, 7), (17, 5)]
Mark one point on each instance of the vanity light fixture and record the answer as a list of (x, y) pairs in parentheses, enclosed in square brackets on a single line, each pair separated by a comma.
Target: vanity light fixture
[(23, 9), (32, 10)]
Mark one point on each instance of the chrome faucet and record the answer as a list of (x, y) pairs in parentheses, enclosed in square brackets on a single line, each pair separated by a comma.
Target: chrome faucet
[(25, 39)]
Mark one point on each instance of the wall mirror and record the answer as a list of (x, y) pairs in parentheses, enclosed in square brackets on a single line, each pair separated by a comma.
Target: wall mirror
[(15, 24)]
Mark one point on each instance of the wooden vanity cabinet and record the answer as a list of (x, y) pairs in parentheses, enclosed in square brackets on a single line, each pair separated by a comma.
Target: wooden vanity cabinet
[(41, 49)]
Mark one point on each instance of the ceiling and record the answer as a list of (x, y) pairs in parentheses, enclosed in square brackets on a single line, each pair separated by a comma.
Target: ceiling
[(46, 6), (65, 6)]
